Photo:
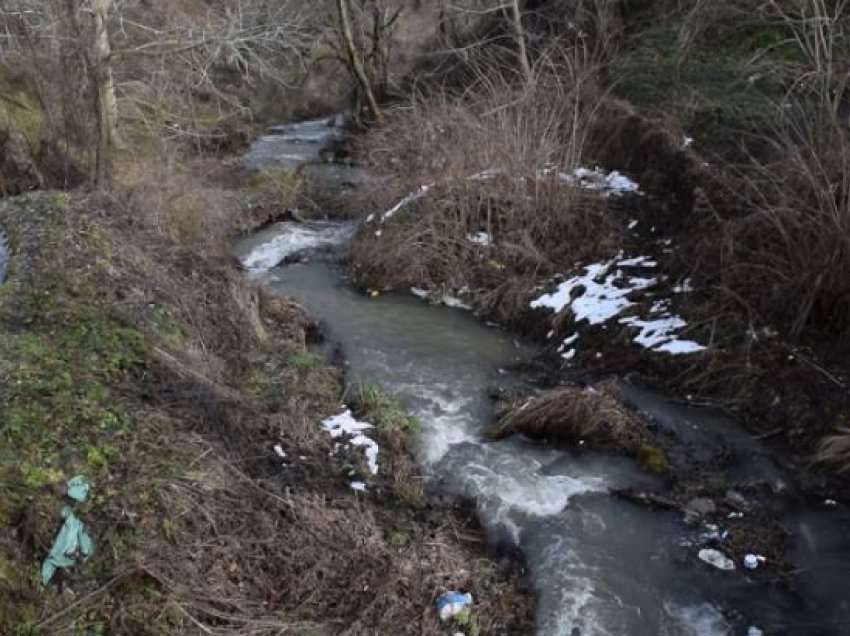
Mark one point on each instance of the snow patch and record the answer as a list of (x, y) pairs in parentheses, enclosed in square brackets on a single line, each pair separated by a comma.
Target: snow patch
[(601, 294), (611, 183), (344, 425), (602, 298), (410, 198)]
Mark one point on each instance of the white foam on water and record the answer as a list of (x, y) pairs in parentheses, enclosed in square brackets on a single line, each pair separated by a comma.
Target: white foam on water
[(292, 238), (518, 483), (695, 620), (568, 601)]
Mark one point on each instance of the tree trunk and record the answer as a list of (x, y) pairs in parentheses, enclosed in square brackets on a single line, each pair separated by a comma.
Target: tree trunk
[(354, 59), (106, 104), (519, 33)]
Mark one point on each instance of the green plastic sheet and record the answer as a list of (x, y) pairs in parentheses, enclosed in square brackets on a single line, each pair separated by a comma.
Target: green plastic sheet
[(73, 541)]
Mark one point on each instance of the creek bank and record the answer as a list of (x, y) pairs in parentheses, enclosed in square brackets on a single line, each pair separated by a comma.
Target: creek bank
[(722, 491), (156, 371), (719, 480)]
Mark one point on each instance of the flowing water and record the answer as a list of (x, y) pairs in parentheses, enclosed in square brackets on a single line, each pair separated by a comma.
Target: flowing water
[(599, 565)]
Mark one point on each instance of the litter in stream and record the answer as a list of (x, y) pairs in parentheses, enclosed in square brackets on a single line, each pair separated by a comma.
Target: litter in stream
[(717, 559)]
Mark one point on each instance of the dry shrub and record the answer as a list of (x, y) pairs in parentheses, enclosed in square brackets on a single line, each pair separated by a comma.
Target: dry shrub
[(787, 254), (595, 416), (250, 558), (167, 197), (494, 154)]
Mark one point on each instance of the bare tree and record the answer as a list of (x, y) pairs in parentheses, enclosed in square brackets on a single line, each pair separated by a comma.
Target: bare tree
[(519, 35), (355, 62)]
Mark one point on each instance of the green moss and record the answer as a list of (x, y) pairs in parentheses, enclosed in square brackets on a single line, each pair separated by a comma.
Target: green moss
[(21, 112), (711, 87), (304, 361), (59, 412)]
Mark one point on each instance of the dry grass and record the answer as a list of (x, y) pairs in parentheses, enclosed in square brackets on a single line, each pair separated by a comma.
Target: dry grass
[(199, 528), (516, 137), (593, 416), (834, 451), (785, 252)]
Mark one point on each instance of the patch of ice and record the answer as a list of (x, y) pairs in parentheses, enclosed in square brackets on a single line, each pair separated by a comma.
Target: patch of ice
[(344, 425), (480, 238)]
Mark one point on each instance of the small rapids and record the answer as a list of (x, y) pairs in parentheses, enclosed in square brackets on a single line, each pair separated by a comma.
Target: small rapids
[(600, 566)]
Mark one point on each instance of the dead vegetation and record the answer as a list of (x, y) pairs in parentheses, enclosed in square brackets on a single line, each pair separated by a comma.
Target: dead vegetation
[(181, 379), (593, 416), (756, 208), (494, 154)]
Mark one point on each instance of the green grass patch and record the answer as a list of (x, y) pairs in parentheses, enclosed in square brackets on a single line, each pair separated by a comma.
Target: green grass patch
[(60, 399), (387, 415), (717, 87)]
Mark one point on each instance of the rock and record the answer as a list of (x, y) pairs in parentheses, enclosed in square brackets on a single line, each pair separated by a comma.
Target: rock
[(717, 559), (737, 500), (699, 508)]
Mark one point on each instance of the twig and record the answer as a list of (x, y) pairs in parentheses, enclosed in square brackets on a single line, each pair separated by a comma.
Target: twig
[(83, 600)]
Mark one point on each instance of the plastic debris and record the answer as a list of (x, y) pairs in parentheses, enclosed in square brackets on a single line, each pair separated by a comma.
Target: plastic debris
[(452, 603), (752, 561), (717, 559), (72, 542), (78, 488), (754, 631)]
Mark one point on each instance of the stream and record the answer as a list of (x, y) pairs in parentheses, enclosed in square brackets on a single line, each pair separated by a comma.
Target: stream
[(599, 565)]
